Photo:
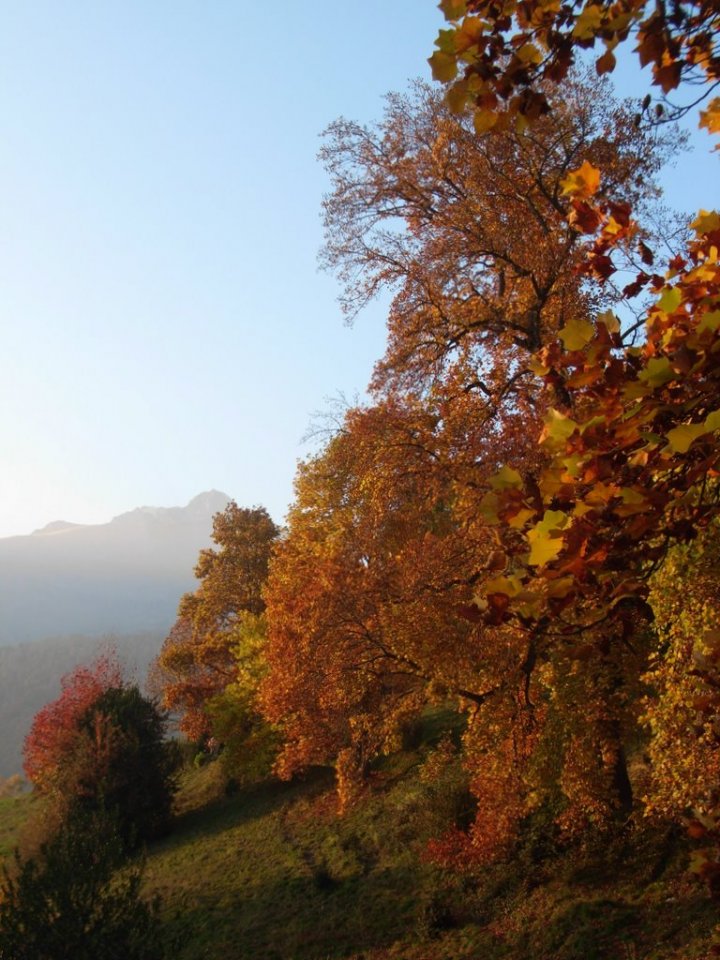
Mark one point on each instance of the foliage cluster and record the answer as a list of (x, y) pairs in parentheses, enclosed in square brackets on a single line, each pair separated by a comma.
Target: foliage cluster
[(213, 659), (98, 758), (101, 747), (502, 526), (79, 899)]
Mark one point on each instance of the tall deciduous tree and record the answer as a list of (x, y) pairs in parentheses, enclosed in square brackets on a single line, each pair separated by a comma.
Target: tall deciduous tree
[(373, 599), (471, 233), (197, 662), (631, 433)]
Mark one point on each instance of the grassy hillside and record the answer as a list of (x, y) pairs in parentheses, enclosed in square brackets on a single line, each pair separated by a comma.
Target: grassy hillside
[(272, 872)]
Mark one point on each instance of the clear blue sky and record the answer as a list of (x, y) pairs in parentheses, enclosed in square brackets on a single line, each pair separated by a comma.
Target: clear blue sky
[(163, 325)]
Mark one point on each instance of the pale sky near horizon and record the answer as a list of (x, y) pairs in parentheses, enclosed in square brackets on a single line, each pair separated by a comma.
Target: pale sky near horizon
[(164, 328)]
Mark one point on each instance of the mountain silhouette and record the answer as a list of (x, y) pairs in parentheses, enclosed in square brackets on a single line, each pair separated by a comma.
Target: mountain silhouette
[(118, 577)]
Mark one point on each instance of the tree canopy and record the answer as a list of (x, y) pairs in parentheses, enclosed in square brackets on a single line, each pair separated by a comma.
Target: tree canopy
[(197, 661)]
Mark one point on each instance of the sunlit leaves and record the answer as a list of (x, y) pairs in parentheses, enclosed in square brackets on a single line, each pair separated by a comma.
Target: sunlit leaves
[(576, 333), (520, 51), (710, 118), (546, 539), (443, 65), (582, 183), (197, 660)]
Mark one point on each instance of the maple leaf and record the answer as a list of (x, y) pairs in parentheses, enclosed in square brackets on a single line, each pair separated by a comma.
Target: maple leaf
[(582, 183), (576, 333)]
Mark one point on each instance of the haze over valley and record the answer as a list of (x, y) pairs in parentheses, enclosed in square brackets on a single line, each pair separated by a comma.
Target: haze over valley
[(68, 590)]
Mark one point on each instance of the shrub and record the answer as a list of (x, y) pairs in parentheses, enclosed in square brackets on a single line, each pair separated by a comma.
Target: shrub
[(77, 899), (101, 747)]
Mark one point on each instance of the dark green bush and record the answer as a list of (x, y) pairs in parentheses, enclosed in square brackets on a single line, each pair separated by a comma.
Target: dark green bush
[(124, 765), (77, 900)]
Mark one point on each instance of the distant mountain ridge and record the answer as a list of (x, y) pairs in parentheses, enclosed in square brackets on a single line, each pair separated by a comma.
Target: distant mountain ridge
[(119, 577)]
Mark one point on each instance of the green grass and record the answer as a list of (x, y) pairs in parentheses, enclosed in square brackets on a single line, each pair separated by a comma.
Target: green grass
[(14, 814), (273, 873)]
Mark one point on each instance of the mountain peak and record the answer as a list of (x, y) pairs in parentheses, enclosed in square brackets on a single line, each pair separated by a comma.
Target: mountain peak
[(55, 526), (210, 501)]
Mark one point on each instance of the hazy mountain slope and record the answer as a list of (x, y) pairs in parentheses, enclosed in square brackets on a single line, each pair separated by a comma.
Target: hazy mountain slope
[(119, 577), (66, 589)]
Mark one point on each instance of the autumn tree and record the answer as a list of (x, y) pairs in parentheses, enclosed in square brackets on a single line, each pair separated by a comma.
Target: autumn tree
[(197, 661), (631, 430), (249, 742), (56, 728), (373, 596), (100, 747), (471, 233), (361, 621)]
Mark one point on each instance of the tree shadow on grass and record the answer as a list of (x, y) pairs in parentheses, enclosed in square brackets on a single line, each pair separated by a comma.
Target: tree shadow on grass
[(247, 803), (303, 918)]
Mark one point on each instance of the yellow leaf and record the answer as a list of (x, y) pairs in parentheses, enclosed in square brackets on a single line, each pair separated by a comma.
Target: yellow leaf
[(484, 120), (681, 437), (550, 482), (489, 506), (537, 367), (612, 228), (453, 9), (601, 493), (557, 429), (710, 321), (583, 182), (710, 118), (712, 421), (529, 53), (471, 30), (510, 586), (706, 222), (670, 300), (506, 478), (588, 22), (545, 538), (457, 97), (521, 518), (576, 334), (446, 41), (597, 421), (657, 372), (560, 588), (543, 550), (572, 465), (443, 66), (610, 321), (630, 495)]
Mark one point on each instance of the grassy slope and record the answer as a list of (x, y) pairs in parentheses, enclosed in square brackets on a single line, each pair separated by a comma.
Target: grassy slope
[(273, 873)]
